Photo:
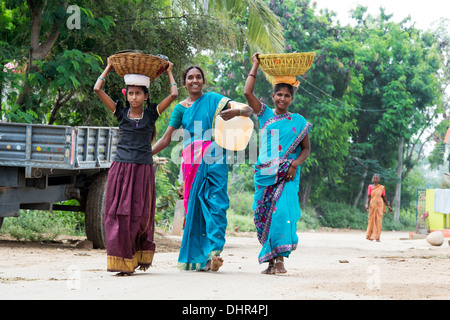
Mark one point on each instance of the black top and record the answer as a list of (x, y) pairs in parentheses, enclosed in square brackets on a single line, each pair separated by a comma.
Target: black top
[(135, 136)]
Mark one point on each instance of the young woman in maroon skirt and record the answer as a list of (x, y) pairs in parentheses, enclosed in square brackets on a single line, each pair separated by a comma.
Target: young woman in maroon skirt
[(130, 192)]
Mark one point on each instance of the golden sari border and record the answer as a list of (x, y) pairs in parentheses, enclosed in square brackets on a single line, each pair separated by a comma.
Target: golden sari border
[(197, 266), (119, 264)]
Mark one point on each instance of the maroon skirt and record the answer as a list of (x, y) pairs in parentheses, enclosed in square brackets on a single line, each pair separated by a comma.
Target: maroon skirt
[(129, 216)]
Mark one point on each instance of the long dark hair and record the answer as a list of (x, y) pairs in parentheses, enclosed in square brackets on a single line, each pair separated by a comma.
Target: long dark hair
[(146, 91)]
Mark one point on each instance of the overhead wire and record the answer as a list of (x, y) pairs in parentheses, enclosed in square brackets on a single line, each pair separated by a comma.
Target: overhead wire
[(334, 99)]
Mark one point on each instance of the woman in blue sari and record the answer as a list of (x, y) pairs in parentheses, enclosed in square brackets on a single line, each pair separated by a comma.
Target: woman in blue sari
[(205, 172), (284, 146)]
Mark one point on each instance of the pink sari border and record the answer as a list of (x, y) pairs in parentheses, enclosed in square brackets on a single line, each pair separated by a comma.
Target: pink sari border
[(192, 158)]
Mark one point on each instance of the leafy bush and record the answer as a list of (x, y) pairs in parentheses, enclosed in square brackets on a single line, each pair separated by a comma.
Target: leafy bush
[(34, 225), (240, 212), (245, 223), (167, 194), (341, 215), (308, 220), (407, 220), (241, 203)]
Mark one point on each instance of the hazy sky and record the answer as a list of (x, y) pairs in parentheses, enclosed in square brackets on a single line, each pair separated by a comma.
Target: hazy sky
[(423, 12)]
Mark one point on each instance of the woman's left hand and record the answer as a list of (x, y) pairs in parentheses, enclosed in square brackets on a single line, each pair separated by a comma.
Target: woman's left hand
[(290, 175), (169, 67), (255, 59), (229, 114)]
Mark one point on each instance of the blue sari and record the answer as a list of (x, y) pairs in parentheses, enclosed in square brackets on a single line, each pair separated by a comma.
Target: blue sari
[(205, 174), (276, 203)]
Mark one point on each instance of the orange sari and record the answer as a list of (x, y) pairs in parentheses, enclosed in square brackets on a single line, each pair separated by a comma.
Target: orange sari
[(377, 208)]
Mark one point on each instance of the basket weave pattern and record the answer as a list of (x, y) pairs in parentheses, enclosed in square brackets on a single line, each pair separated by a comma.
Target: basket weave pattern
[(138, 63), (286, 64)]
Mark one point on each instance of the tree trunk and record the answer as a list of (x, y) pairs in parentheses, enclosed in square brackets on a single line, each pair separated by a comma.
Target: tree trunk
[(361, 187), (304, 196), (38, 50), (398, 187), (60, 102)]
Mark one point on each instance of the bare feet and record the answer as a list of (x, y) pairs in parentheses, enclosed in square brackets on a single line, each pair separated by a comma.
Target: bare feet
[(275, 266), (279, 265), (207, 267), (270, 269), (213, 264), (143, 267), (217, 262)]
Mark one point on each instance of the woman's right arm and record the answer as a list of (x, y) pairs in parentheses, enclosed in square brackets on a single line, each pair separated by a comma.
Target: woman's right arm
[(165, 140), (386, 202), (252, 100), (173, 91), (98, 88), (367, 202)]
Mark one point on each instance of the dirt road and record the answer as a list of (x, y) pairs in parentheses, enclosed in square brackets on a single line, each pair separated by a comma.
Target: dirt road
[(327, 265)]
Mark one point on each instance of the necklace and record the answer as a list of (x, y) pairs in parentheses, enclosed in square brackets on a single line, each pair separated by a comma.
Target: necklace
[(278, 114), (191, 102), (136, 119)]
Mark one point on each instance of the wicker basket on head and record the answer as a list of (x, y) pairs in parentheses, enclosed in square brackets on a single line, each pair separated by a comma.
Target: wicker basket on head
[(136, 62), (286, 64)]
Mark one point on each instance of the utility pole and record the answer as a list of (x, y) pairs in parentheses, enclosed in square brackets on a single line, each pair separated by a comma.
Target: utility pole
[(398, 187)]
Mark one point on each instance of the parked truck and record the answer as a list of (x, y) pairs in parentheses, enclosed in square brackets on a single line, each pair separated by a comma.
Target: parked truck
[(42, 165)]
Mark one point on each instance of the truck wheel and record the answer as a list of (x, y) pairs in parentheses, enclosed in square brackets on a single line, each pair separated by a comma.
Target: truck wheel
[(95, 211)]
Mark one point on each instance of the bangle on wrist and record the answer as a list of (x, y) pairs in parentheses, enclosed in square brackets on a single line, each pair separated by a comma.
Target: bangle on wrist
[(173, 84), (101, 78), (251, 75)]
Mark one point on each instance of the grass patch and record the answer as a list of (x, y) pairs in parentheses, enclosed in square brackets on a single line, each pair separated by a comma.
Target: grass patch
[(35, 225)]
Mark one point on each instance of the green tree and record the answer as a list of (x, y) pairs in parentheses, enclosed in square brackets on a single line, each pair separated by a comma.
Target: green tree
[(58, 64), (437, 156), (326, 94), (259, 25), (50, 66), (400, 66)]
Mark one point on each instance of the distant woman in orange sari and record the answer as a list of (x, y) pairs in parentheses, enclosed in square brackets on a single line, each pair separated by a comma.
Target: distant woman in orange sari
[(376, 206)]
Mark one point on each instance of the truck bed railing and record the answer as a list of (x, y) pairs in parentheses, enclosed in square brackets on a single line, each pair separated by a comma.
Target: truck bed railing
[(56, 147)]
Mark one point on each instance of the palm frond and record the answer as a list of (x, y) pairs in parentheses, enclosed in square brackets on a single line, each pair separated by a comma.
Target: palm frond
[(263, 30)]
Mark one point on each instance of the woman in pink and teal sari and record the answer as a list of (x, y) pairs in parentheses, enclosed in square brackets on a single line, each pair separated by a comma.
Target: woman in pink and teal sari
[(284, 146), (205, 172)]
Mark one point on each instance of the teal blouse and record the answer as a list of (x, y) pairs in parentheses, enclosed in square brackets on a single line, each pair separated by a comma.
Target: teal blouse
[(177, 116)]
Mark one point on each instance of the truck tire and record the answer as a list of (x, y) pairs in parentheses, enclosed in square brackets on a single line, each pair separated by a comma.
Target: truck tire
[(95, 211)]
